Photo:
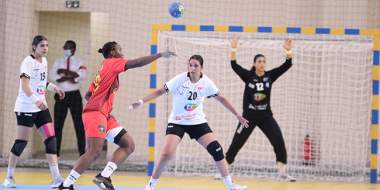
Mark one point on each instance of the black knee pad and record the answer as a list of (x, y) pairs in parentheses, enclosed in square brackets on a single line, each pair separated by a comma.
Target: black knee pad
[(18, 147), (118, 136), (216, 150), (51, 145)]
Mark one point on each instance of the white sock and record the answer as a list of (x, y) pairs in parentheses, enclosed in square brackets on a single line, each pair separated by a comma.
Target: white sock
[(54, 170), (10, 172), (152, 182), (228, 181), (71, 179), (109, 169), (281, 168)]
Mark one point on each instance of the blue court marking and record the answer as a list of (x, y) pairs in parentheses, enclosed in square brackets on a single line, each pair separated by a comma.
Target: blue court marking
[(42, 187)]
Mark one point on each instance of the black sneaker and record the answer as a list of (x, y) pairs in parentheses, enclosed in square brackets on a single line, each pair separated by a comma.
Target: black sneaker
[(104, 183), (62, 187)]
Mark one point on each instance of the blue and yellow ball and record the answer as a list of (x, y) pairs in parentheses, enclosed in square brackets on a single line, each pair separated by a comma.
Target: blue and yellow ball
[(176, 9)]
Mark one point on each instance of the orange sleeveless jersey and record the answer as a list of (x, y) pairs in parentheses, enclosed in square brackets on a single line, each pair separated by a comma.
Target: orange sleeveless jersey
[(103, 88)]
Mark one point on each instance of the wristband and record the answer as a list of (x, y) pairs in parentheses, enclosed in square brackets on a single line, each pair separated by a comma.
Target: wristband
[(51, 87)]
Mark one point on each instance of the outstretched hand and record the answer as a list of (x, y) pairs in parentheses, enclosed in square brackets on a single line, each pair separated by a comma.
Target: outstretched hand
[(167, 54), (288, 47), (243, 121), (234, 41), (288, 44), (135, 105)]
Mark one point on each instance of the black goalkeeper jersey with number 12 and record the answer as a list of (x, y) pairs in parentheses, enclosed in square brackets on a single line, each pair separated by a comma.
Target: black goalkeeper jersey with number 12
[(257, 90)]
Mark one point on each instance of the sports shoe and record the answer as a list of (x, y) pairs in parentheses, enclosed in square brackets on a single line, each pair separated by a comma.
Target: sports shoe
[(287, 178), (56, 182), (9, 182), (103, 183), (61, 187), (237, 187)]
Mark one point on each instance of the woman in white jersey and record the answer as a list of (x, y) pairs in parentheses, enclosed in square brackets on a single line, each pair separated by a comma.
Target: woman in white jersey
[(189, 90), (31, 109)]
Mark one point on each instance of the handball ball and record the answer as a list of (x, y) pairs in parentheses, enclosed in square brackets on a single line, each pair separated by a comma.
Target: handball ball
[(176, 9)]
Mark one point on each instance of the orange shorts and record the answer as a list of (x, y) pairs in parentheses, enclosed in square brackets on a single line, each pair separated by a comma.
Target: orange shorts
[(97, 124)]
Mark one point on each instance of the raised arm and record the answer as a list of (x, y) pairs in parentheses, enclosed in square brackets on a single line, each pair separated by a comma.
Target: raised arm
[(239, 70), (148, 98), (228, 105), (277, 72), (139, 62)]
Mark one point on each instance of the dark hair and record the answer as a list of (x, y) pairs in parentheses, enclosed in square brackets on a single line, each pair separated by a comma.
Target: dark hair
[(37, 39), (107, 48), (257, 56), (70, 44), (198, 58)]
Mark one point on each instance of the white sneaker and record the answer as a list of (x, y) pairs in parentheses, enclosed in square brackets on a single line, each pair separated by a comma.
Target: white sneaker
[(218, 176), (148, 187), (56, 182), (237, 187), (9, 182), (287, 178)]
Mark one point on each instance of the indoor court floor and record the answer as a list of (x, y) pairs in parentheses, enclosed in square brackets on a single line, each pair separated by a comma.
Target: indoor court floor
[(37, 179)]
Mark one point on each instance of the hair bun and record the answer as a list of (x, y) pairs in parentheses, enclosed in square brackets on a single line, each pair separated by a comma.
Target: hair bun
[(100, 50)]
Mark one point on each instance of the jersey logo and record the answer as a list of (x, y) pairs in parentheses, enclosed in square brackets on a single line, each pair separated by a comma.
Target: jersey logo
[(259, 97), (250, 85), (190, 107), (182, 89), (41, 90), (170, 126), (102, 129)]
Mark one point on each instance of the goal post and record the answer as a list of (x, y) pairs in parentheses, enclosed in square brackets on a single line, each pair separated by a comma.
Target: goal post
[(334, 71)]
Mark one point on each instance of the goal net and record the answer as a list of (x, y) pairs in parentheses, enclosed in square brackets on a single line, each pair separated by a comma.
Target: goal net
[(325, 96)]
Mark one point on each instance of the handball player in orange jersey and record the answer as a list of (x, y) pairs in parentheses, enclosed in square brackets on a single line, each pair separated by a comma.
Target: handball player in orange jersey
[(99, 123)]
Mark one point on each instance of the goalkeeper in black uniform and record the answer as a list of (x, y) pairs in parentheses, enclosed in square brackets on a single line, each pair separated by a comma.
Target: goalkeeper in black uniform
[(256, 106)]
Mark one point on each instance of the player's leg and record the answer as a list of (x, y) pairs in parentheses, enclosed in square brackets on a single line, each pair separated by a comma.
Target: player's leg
[(94, 148), (240, 137), (60, 112), (46, 130), (273, 132), (76, 107), (174, 134), (118, 135), (24, 128), (25, 122), (95, 128), (204, 136)]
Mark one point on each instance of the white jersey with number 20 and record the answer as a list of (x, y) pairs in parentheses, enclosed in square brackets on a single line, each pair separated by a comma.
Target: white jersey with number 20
[(188, 98)]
